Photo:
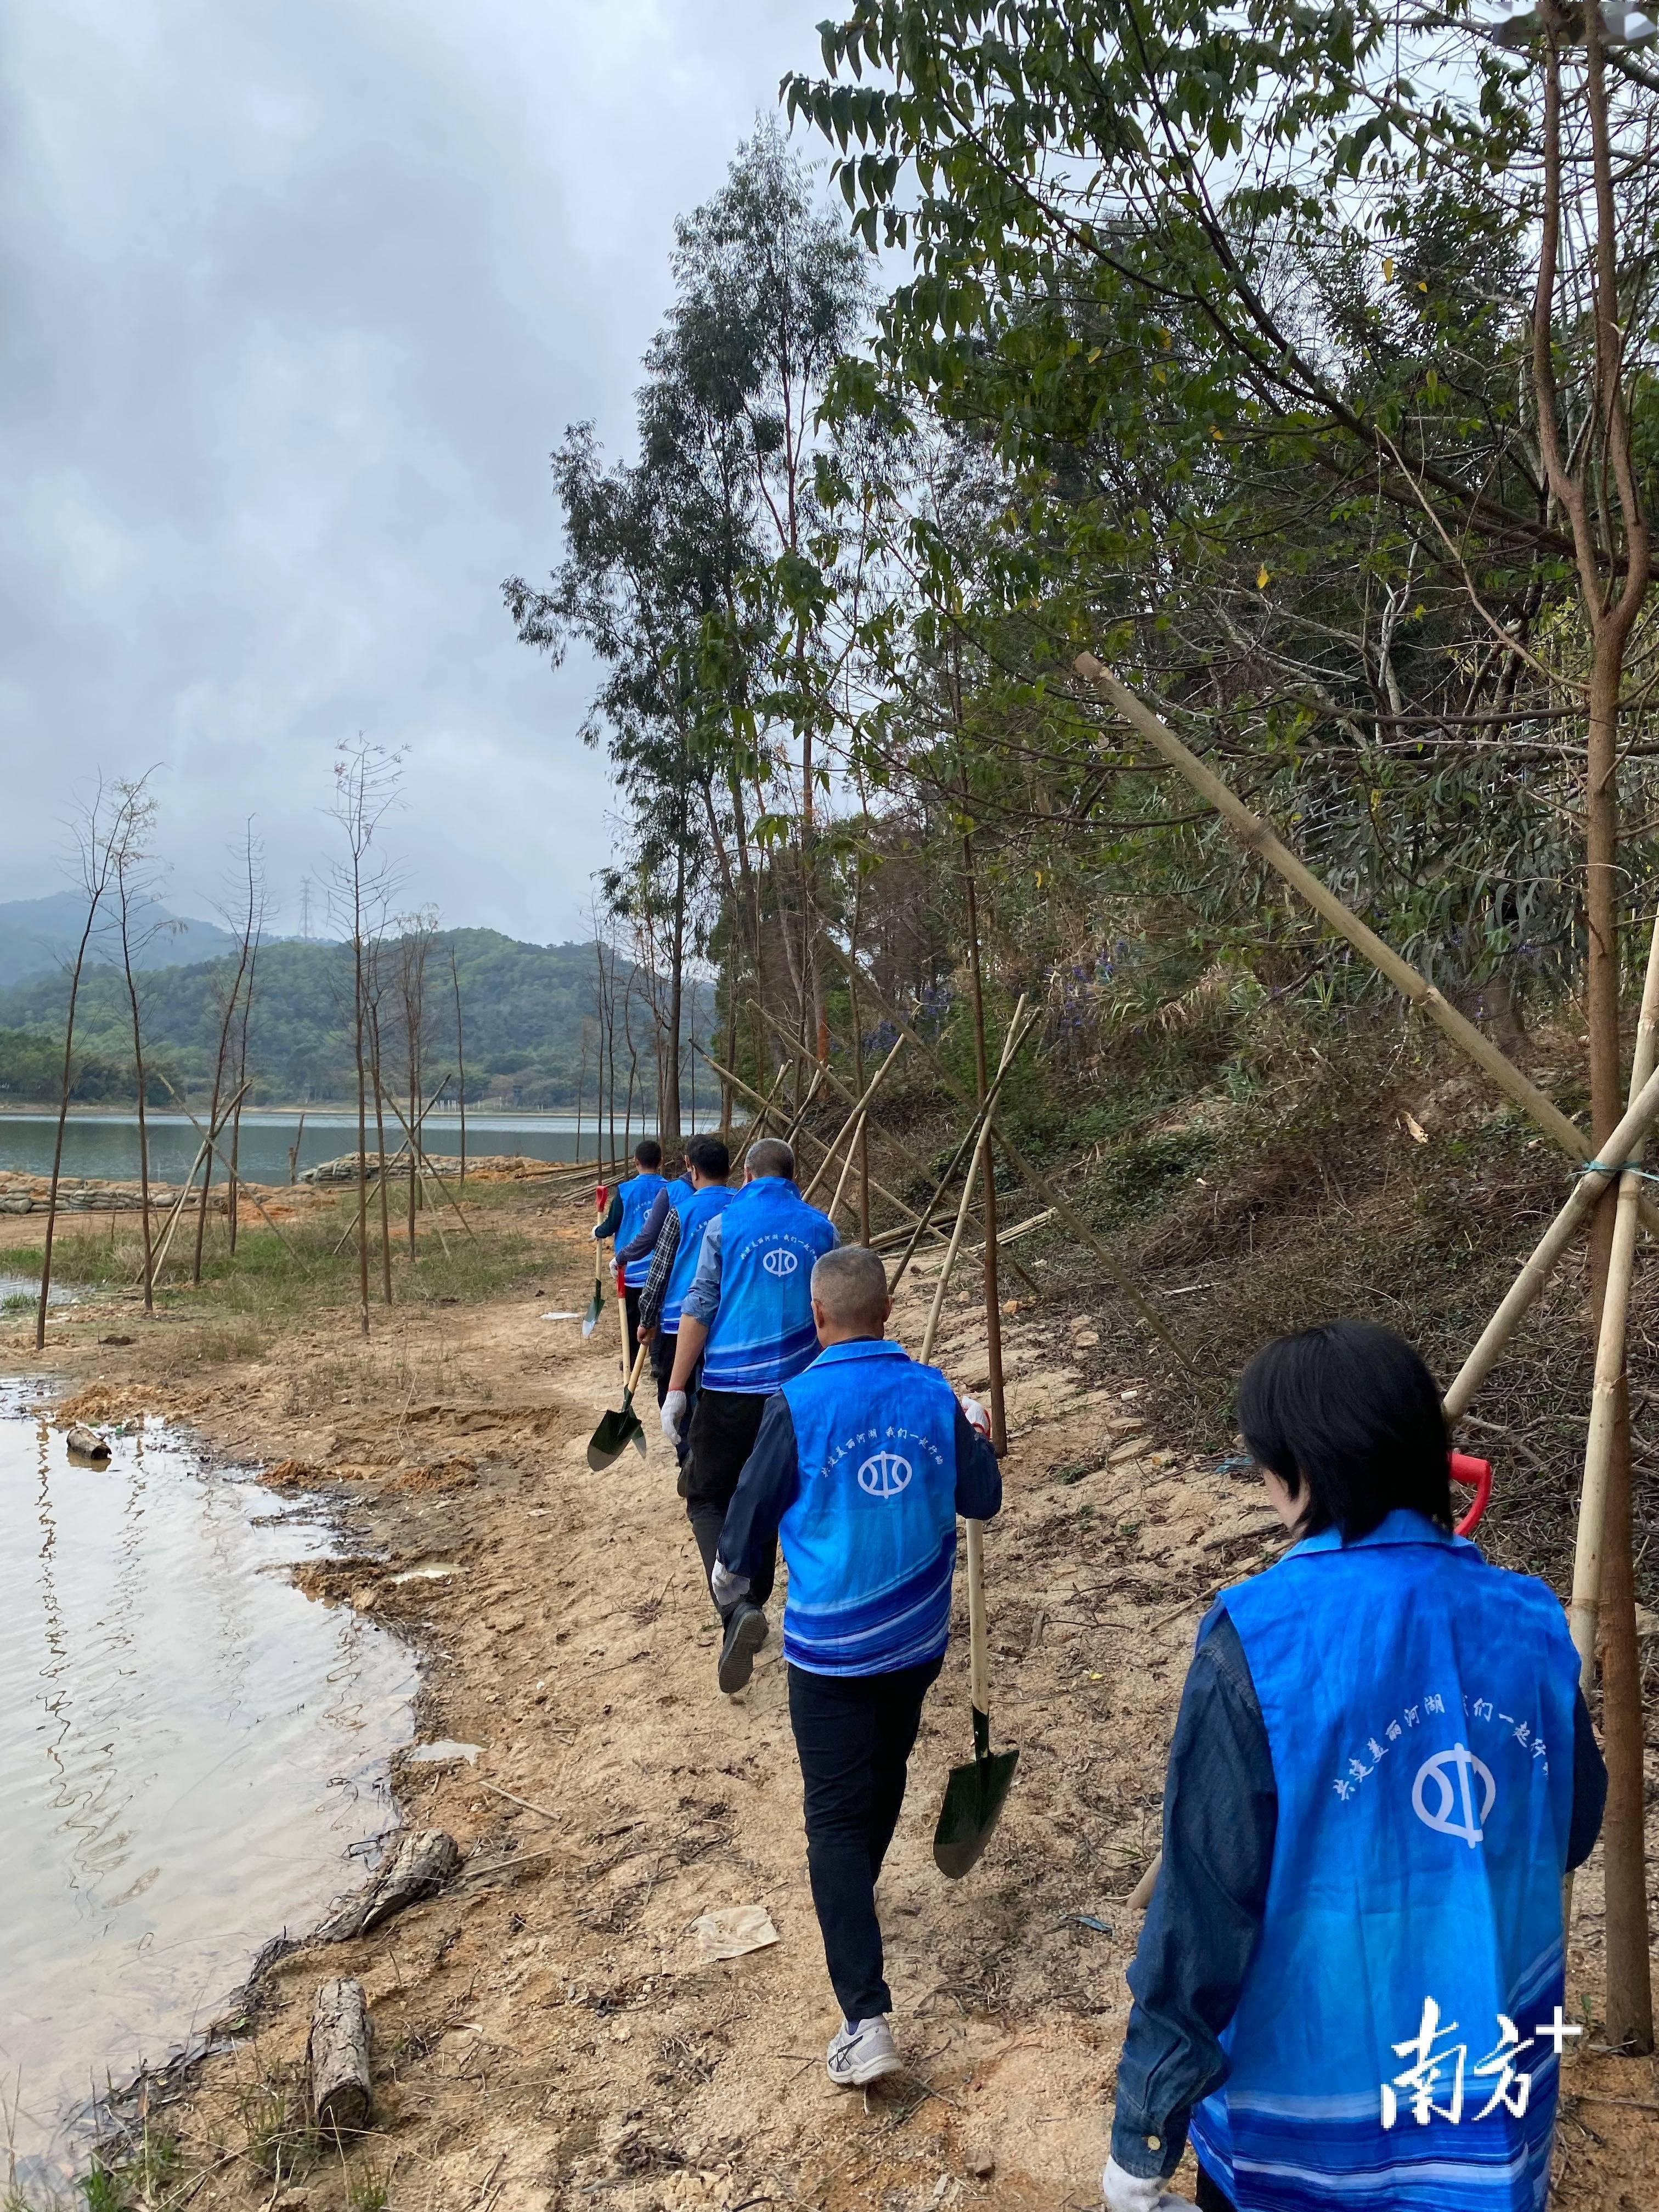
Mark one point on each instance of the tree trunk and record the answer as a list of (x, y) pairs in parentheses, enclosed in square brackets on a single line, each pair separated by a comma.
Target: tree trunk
[(669, 1115), (363, 1121), (1624, 1846)]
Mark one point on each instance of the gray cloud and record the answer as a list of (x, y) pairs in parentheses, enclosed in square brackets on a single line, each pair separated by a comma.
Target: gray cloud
[(299, 297)]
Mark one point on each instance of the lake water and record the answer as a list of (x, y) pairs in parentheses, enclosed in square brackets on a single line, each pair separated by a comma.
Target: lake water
[(191, 1754), (107, 1144)]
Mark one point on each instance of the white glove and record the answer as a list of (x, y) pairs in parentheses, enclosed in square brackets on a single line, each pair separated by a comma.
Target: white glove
[(598, 1232), (977, 1419), (725, 1587), (673, 1413), (1133, 2192)]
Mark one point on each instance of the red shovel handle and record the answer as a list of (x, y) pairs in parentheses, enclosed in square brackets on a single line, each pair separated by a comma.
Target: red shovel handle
[(1475, 1475), (601, 1191)]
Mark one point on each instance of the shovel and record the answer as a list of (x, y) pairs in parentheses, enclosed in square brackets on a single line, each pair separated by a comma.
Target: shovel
[(596, 1304), (975, 1793), (617, 1431)]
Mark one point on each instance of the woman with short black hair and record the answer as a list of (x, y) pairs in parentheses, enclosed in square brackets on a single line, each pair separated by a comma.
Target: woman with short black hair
[(1349, 1986)]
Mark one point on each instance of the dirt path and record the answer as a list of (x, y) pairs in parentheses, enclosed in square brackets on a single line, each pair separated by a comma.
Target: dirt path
[(547, 2034)]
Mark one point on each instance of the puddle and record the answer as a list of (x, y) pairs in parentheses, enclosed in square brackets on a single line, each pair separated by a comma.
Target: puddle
[(20, 1294), (193, 1755)]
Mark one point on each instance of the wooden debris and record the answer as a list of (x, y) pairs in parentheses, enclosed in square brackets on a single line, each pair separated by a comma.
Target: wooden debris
[(425, 1861), (87, 1443), (337, 2051)]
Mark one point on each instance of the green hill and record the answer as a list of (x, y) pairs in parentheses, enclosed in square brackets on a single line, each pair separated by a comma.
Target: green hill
[(523, 1006)]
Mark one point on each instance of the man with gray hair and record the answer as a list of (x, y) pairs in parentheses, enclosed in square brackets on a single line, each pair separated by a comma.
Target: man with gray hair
[(748, 1315), (861, 1464)]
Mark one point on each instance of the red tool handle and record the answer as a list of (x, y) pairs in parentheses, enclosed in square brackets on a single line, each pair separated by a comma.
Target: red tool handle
[(601, 1191), (1474, 1474)]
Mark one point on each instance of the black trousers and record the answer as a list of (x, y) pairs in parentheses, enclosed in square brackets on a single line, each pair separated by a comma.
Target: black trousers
[(854, 1734), (1210, 2198), (631, 1308), (722, 1432)]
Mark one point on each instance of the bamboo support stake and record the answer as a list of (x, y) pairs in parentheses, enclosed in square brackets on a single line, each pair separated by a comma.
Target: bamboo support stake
[(1585, 1614), (847, 1167), (969, 1137), (177, 1214), (220, 1157), (1038, 1184), (1621, 1146), (1019, 1029), (905, 1152), (1254, 834), (738, 1083), (850, 1127)]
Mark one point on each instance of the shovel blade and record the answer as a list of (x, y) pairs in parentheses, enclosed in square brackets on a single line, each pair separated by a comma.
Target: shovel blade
[(595, 1307), (613, 1436), (974, 1797)]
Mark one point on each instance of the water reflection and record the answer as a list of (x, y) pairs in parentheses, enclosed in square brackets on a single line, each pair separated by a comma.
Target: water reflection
[(189, 1752)]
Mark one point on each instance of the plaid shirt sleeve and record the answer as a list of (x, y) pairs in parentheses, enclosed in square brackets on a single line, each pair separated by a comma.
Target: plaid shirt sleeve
[(656, 1281)]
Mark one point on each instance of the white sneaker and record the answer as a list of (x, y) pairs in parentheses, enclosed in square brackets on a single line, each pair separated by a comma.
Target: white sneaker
[(864, 2052)]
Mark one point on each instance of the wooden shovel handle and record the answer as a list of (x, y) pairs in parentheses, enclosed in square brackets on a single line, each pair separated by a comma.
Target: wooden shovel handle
[(979, 1650), (633, 1383)]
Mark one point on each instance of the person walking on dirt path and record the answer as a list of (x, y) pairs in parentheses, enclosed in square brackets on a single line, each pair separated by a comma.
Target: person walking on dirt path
[(1349, 1985), (686, 1213), (748, 1315), (861, 1465), (630, 1204)]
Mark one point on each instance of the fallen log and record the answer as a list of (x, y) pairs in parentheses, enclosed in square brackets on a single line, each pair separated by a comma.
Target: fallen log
[(425, 1861), (337, 2050)]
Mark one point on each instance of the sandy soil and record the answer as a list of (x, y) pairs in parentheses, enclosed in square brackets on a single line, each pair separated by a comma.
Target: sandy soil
[(548, 2035)]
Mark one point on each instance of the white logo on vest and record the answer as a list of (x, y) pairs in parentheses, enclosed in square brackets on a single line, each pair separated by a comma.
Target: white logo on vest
[(778, 1261), (1454, 1797), (885, 1473)]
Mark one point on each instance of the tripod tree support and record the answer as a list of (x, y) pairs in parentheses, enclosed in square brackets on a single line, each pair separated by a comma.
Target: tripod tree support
[(1039, 1184)]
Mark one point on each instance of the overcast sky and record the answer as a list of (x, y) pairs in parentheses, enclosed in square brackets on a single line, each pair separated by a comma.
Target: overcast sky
[(299, 296)]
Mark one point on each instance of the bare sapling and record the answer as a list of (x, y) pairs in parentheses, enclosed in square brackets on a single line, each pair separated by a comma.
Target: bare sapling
[(94, 833), (133, 868), (365, 787), (230, 994), (234, 1199)]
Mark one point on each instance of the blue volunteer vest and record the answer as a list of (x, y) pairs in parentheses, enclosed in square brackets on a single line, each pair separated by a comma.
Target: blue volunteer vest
[(1396, 2044), (695, 1210), (638, 1195), (871, 1538), (763, 1333)]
